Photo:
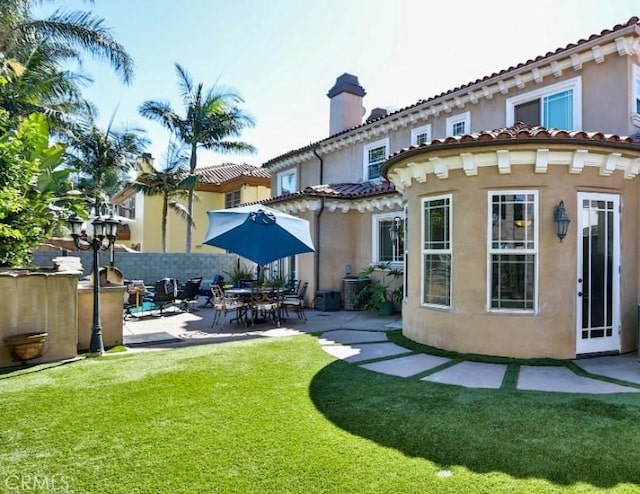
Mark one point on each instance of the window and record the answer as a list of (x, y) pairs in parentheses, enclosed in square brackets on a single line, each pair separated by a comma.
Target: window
[(127, 209), (557, 106), (459, 124), (232, 199), (513, 250), (436, 251), (388, 238), (287, 182), (421, 135), (375, 154)]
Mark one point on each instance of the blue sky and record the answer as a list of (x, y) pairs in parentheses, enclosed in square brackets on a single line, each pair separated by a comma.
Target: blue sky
[(283, 56)]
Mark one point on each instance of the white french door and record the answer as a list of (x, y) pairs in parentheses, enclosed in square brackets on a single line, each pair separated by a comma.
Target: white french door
[(598, 300)]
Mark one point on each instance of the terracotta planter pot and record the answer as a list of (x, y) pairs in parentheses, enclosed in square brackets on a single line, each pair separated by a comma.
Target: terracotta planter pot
[(25, 346)]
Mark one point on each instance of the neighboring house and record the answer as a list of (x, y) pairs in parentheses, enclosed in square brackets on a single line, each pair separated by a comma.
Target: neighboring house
[(220, 186), (485, 271)]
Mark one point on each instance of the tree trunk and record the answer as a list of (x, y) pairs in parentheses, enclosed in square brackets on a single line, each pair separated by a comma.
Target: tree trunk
[(192, 167), (165, 208)]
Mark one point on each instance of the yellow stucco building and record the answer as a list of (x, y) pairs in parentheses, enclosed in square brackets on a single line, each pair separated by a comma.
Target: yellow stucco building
[(220, 186)]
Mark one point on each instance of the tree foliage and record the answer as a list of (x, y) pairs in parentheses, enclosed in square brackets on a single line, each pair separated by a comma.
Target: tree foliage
[(211, 120), (35, 188)]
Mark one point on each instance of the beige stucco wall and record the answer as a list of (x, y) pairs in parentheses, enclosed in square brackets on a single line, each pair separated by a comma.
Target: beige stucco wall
[(40, 302), (111, 305), (467, 326)]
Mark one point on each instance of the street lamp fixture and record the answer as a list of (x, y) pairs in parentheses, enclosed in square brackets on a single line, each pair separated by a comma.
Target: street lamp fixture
[(104, 236)]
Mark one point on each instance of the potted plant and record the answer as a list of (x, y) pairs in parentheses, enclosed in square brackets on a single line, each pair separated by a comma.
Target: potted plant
[(382, 291), (240, 274)]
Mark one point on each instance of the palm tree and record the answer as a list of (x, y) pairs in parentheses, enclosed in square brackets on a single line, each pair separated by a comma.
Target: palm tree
[(76, 31), (102, 158), (35, 53), (172, 181), (211, 117)]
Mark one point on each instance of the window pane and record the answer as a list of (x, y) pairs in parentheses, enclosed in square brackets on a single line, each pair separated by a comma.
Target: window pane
[(528, 112), (558, 110), (458, 128), (287, 183), (513, 221), (437, 279), (436, 224), (421, 138), (512, 281), (388, 250), (376, 157)]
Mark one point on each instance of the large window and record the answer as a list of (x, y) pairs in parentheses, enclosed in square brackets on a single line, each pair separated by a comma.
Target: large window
[(375, 154), (232, 199), (287, 182), (388, 238), (557, 106), (459, 124), (436, 251), (513, 250), (421, 135)]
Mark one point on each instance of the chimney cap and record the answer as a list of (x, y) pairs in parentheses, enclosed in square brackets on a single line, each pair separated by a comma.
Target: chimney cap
[(377, 113), (346, 83)]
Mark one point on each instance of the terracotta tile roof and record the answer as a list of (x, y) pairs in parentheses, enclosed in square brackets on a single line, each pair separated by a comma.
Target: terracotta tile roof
[(520, 132), (219, 174), (559, 51), (338, 191)]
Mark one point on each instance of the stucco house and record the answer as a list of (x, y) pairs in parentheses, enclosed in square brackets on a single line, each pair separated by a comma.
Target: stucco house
[(220, 186), (482, 177)]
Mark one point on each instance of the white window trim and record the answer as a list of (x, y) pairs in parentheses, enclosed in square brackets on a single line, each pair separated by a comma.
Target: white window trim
[(424, 251), (291, 171), (365, 156), (425, 129), (375, 251), (575, 84), (535, 250), (460, 117)]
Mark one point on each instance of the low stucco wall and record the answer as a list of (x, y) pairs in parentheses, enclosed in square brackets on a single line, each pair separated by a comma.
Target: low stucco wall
[(111, 305), (42, 301)]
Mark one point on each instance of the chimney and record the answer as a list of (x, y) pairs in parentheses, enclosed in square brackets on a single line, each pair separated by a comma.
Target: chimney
[(346, 108), (376, 113)]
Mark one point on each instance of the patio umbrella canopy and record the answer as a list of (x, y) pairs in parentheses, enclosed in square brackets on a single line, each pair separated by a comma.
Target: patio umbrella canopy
[(258, 233)]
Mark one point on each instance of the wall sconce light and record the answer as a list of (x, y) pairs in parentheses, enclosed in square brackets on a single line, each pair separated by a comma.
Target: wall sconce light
[(562, 220)]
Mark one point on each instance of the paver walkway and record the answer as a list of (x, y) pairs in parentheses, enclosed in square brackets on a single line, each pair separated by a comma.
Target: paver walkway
[(361, 339)]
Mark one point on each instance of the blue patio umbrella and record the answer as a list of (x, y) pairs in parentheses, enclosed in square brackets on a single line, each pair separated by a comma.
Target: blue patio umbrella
[(258, 233)]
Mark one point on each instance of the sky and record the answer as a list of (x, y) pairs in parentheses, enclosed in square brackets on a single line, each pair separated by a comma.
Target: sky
[(283, 56)]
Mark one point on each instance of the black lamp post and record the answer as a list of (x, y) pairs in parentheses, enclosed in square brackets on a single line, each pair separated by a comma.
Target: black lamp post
[(104, 236), (562, 220), (394, 233)]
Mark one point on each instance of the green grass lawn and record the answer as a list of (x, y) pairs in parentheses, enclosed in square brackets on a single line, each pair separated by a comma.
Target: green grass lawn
[(280, 415)]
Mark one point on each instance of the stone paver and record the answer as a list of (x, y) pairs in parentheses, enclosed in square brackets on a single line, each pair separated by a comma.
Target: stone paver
[(351, 336), (542, 378), (470, 375), (406, 366), (624, 367), (370, 351)]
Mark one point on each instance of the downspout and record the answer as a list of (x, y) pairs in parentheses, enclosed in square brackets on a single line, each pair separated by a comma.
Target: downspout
[(320, 211)]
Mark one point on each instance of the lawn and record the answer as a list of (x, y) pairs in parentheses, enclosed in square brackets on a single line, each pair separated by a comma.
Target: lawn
[(281, 416)]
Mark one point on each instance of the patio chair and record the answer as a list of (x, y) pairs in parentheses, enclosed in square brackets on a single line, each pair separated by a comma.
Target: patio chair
[(296, 302), (189, 293), (164, 293), (222, 305), (206, 290), (264, 305)]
